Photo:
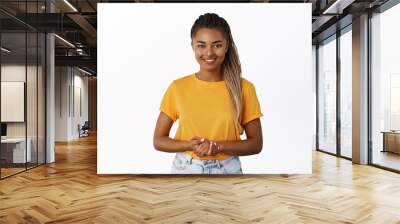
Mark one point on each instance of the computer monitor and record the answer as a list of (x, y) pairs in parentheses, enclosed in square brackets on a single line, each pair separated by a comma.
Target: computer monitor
[(3, 129)]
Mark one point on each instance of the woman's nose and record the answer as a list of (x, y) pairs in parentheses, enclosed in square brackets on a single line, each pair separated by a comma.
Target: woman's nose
[(210, 51)]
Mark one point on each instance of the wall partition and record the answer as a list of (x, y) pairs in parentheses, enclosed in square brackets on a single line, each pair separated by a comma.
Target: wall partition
[(22, 77), (13, 104)]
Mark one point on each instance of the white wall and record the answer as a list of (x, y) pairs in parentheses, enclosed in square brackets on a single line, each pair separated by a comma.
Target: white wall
[(12, 73), (15, 72), (81, 83), (61, 103), (68, 83)]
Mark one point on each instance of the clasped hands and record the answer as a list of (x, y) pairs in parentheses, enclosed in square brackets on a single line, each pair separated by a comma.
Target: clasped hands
[(204, 147)]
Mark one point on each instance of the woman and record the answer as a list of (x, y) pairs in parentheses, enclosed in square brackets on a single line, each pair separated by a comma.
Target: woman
[(213, 106)]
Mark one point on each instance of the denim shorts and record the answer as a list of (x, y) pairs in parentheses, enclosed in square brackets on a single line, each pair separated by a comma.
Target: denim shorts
[(185, 164)]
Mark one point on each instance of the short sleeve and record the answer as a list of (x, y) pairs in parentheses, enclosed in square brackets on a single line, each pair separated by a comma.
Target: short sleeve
[(168, 103), (251, 107)]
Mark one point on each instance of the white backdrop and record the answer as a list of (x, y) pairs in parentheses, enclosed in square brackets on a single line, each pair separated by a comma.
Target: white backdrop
[(142, 48)]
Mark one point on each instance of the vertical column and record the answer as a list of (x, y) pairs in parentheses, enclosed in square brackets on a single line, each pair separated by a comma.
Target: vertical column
[(360, 90), (50, 92)]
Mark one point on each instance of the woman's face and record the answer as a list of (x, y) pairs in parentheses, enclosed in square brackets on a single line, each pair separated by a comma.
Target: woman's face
[(209, 46)]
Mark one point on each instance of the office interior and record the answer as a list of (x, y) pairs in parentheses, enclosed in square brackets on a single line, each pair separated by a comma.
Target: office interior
[(46, 81), (49, 83)]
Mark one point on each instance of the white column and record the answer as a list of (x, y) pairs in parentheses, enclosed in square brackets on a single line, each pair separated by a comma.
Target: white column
[(50, 93)]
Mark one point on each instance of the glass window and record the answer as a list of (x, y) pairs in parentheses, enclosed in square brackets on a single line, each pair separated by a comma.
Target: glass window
[(327, 96), (385, 81), (346, 94), (14, 153), (32, 95), (22, 91)]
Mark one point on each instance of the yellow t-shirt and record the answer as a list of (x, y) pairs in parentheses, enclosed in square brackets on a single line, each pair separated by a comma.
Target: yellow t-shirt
[(204, 110)]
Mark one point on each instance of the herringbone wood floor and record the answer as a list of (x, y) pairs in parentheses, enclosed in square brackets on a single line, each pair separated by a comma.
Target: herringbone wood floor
[(70, 191)]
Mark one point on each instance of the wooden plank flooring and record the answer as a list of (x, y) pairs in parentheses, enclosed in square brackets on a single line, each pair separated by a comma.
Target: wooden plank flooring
[(70, 191), (10, 171), (387, 159)]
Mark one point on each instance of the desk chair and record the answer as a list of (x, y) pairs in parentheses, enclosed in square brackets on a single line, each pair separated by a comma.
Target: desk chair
[(84, 130)]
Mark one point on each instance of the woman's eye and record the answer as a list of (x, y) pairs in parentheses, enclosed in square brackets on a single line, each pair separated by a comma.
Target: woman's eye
[(200, 46), (218, 45)]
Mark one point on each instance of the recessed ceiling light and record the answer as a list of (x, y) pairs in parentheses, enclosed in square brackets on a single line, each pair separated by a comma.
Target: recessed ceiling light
[(84, 71), (64, 40), (70, 5), (338, 6), (5, 50)]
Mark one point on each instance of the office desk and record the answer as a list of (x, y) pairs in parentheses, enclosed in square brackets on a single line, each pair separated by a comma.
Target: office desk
[(391, 141), (13, 150)]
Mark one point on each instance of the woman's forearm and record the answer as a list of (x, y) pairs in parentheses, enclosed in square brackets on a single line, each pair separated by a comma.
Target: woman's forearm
[(166, 144), (241, 147)]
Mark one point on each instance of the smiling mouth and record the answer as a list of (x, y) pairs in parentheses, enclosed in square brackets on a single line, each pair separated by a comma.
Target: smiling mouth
[(210, 61)]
